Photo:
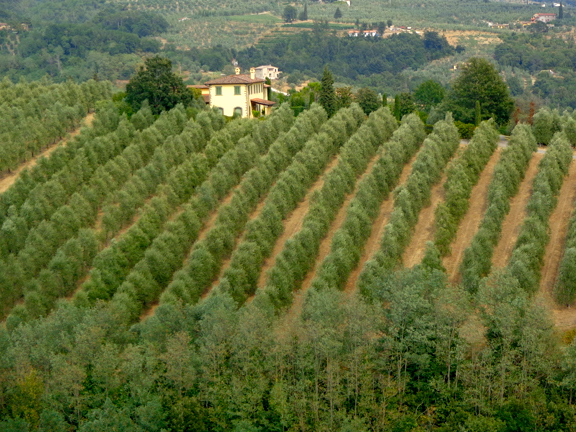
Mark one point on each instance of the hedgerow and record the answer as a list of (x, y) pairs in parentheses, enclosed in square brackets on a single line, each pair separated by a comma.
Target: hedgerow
[(348, 242), (565, 289), (508, 174), (462, 175), (298, 256), (527, 257), (410, 198)]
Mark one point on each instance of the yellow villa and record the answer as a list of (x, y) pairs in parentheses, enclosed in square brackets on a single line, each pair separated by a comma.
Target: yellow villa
[(239, 95)]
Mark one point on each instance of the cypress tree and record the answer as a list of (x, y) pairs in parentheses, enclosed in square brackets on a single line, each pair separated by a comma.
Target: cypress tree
[(327, 93)]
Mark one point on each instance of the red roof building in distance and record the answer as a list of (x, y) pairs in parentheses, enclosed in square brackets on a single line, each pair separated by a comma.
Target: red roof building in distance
[(544, 17)]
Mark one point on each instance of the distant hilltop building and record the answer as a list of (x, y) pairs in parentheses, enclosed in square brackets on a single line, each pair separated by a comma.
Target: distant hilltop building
[(365, 33), (268, 71), (544, 17)]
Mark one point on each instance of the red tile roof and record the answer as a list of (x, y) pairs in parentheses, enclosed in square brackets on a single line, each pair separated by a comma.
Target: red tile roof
[(262, 102), (234, 79)]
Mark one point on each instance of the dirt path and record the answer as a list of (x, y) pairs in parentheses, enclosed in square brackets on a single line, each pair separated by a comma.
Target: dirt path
[(373, 243), (513, 220), (9, 179), (292, 225), (471, 221), (424, 229)]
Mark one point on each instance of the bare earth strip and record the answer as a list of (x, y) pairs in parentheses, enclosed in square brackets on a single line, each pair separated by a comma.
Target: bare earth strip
[(9, 180), (471, 221), (325, 244), (424, 229), (515, 217), (292, 225), (373, 243)]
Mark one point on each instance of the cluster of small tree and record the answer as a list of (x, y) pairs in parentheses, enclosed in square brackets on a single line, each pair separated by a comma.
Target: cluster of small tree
[(496, 367), (205, 259), (508, 174), (153, 273), (298, 256), (37, 114), (349, 241), (241, 277), (33, 247), (462, 174), (527, 257), (545, 123), (409, 199), (565, 289)]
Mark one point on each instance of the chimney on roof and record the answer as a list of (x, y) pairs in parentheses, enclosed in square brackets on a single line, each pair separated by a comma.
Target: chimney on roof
[(252, 73), (237, 70)]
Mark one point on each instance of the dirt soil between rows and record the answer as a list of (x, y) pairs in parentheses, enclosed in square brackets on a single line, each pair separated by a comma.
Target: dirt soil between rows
[(471, 222), (513, 220), (9, 179)]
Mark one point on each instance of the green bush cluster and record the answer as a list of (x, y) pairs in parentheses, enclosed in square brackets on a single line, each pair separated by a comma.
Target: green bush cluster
[(527, 257), (409, 199), (462, 175), (508, 175), (565, 289), (348, 242), (545, 124), (299, 254), (241, 277), (142, 282), (37, 114), (106, 165), (205, 259)]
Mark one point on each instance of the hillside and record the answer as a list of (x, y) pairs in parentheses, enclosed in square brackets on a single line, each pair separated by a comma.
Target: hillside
[(188, 273)]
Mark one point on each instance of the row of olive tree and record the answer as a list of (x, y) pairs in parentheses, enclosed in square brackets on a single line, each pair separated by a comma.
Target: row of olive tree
[(153, 273), (508, 175), (177, 163), (205, 259), (565, 289), (37, 114), (64, 163), (409, 199), (114, 263), (299, 254), (349, 241), (527, 257), (462, 175), (241, 277), (43, 242)]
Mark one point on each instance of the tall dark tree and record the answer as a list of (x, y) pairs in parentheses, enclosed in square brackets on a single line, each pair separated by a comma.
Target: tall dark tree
[(290, 13), (368, 100), (428, 94), (479, 81), (156, 83), (304, 14), (327, 93), (338, 13)]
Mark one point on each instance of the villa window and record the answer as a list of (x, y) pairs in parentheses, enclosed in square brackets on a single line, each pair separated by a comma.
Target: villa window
[(236, 90), (218, 90), (237, 112)]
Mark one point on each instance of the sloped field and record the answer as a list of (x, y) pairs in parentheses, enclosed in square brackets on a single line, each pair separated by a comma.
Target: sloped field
[(176, 210)]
